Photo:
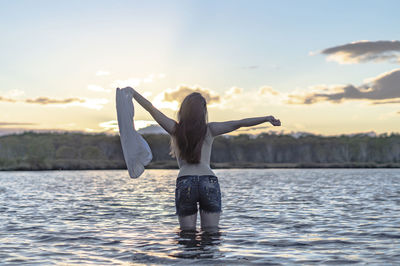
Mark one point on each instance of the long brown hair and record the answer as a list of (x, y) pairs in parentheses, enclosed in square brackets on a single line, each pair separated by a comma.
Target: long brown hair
[(191, 128)]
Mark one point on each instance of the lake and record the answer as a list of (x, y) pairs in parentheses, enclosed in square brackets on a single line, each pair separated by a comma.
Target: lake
[(270, 216)]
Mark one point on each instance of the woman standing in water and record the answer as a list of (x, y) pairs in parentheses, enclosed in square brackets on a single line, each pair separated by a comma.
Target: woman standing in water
[(191, 140)]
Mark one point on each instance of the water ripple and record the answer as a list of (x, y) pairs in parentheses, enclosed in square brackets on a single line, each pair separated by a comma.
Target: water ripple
[(270, 217)]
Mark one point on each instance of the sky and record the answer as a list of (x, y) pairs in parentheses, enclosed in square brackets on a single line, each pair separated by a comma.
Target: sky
[(323, 67)]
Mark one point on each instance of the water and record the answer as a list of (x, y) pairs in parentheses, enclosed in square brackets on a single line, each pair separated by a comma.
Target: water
[(305, 216)]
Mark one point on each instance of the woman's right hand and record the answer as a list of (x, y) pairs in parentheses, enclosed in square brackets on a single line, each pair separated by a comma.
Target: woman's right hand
[(274, 121)]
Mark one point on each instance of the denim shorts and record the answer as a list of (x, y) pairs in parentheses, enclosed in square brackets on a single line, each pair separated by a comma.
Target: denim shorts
[(193, 189)]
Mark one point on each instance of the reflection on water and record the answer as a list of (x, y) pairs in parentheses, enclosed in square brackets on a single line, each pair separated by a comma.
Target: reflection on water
[(271, 216), (198, 245)]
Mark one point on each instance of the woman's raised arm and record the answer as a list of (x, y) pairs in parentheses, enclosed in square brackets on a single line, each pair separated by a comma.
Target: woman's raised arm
[(219, 128), (164, 121)]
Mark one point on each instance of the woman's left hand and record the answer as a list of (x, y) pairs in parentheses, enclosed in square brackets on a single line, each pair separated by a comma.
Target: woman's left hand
[(274, 121)]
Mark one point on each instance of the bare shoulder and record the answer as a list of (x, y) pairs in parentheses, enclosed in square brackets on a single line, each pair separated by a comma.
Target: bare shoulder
[(213, 128), (209, 125), (209, 136)]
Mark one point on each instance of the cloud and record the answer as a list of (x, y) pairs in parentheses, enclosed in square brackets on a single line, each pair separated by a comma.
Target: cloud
[(102, 73), (251, 67), (86, 102), (234, 96), (139, 124), (149, 78), (267, 90), (382, 89), (45, 100), (14, 93), (75, 101), (4, 99), (386, 101), (111, 125), (96, 104), (16, 124), (98, 88), (178, 94), (233, 92), (364, 51)]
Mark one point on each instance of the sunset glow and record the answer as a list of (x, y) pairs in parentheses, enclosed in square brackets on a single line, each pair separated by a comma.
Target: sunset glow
[(316, 71)]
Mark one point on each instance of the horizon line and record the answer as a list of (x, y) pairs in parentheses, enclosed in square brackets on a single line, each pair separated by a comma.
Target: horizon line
[(295, 134)]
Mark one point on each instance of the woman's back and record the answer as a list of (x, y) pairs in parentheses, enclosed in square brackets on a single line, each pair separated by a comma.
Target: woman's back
[(203, 167), (196, 185)]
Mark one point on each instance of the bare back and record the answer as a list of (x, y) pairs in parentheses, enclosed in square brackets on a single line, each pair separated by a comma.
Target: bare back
[(203, 167)]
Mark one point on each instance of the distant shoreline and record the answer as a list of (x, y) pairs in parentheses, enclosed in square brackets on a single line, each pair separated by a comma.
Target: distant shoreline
[(31, 151), (236, 165)]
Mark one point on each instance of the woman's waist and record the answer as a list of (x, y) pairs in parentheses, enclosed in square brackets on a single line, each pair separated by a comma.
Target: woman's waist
[(197, 178), (195, 169)]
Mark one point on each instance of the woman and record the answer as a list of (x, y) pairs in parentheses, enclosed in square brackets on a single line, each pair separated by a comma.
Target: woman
[(191, 140)]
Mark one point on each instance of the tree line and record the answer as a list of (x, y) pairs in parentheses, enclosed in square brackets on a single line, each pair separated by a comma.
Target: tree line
[(50, 151)]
